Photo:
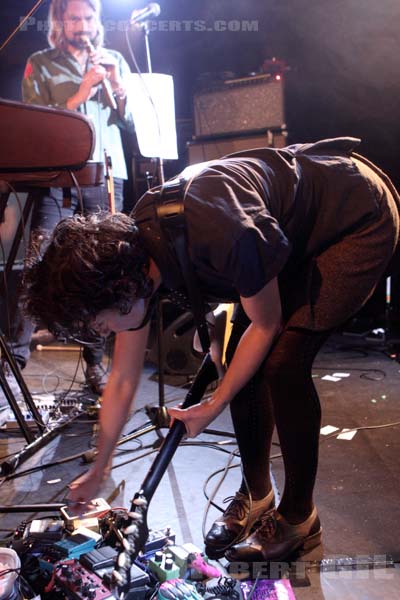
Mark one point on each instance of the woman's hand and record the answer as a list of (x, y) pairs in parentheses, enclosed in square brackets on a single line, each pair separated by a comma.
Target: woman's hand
[(196, 418), (86, 488)]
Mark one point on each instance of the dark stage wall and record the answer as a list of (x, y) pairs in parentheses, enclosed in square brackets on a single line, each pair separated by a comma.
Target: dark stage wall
[(344, 58)]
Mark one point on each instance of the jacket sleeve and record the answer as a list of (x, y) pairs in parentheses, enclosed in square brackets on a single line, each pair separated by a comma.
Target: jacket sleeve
[(126, 120), (34, 88)]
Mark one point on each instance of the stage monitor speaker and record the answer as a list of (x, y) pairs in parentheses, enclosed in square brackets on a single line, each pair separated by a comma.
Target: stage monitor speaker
[(240, 105), (216, 147), (179, 356)]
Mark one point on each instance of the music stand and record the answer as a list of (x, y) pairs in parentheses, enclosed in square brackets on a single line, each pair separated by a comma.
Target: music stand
[(153, 112)]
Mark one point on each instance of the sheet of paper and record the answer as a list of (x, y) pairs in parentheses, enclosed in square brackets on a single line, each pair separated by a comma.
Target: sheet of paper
[(347, 434), (152, 104), (330, 378), (328, 429)]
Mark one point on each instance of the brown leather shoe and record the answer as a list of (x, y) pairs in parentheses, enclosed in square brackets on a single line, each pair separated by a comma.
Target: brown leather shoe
[(236, 523), (276, 539)]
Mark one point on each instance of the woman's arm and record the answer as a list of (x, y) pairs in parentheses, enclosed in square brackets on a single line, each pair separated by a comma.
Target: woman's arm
[(115, 409), (265, 313)]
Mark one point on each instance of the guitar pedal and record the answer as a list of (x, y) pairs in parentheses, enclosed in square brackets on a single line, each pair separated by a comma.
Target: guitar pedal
[(73, 520), (79, 583)]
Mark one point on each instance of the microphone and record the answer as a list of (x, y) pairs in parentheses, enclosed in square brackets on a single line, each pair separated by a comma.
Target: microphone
[(105, 84), (142, 14)]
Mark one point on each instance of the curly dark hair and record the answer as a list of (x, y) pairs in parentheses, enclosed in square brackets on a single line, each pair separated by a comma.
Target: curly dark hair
[(88, 264)]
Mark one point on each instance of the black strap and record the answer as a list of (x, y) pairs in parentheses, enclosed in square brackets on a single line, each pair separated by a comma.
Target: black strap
[(171, 214)]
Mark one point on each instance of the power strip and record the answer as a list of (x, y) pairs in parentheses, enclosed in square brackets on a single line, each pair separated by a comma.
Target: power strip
[(46, 404)]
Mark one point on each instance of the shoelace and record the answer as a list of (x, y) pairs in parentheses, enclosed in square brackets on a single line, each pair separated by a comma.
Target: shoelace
[(238, 509), (268, 526)]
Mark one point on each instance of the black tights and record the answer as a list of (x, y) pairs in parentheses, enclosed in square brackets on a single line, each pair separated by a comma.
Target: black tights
[(281, 393)]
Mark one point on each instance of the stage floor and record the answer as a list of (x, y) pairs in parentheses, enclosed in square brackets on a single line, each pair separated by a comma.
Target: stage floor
[(357, 491)]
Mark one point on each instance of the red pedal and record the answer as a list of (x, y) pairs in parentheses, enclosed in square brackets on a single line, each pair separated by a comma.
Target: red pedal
[(80, 583)]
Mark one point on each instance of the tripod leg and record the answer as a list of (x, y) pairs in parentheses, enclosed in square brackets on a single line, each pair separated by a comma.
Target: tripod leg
[(28, 435), (6, 354)]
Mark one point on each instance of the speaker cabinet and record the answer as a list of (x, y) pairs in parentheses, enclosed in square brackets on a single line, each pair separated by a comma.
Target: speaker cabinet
[(179, 357), (240, 105), (216, 147)]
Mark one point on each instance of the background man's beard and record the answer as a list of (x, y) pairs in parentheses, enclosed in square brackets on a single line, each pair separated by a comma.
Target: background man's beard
[(78, 42)]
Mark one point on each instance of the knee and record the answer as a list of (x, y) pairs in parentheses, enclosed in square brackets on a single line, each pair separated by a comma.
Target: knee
[(282, 368)]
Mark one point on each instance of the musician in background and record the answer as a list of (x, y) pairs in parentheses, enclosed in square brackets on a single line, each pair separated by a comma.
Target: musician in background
[(72, 74)]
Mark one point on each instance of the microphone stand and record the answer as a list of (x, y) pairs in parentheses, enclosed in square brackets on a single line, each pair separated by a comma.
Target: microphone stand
[(146, 30), (160, 414)]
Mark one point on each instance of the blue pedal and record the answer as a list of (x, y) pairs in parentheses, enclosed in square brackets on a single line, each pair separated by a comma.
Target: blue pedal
[(75, 545)]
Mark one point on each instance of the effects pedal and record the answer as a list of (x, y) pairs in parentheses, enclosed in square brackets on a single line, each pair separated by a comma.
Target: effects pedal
[(75, 545), (177, 589), (73, 521), (79, 583), (158, 538), (262, 589), (46, 530), (162, 565), (99, 558)]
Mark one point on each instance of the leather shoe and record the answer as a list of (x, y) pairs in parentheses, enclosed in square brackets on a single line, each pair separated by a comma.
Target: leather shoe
[(236, 523), (276, 539), (96, 378)]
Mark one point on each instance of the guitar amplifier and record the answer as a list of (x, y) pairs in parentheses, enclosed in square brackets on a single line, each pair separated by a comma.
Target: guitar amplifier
[(240, 105), (217, 146)]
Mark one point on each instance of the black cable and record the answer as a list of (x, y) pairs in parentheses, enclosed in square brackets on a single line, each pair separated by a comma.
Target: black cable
[(70, 458), (78, 187)]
